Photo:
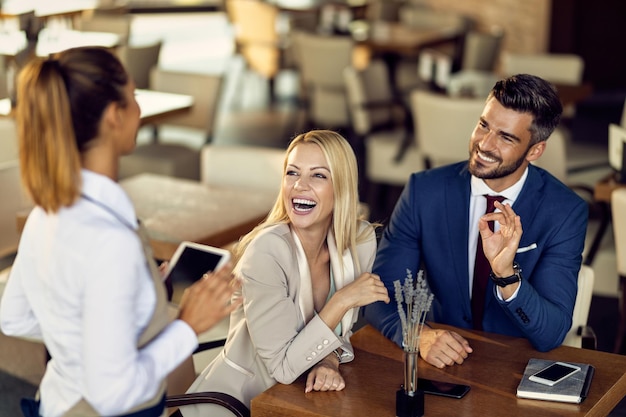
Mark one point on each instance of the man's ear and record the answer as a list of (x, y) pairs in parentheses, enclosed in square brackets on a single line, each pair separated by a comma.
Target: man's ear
[(536, 151)]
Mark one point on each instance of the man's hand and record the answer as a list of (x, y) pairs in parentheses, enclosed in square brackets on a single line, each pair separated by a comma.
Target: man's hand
[(443, 348), (500, 247)]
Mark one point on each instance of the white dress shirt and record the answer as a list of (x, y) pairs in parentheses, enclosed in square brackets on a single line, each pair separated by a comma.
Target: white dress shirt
[(80, 283), (478, 206)]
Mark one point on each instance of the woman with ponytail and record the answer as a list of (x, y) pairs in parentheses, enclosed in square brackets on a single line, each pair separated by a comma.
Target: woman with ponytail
[(84, 281)]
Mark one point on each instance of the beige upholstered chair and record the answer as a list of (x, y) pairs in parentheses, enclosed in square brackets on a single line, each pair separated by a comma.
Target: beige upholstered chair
[(481, 50), (108, 22), (169, 155), (390, 153), (321, 61), (618, 208), (139, 60), (444, 125), (13, 198), (256, 167), (581, 335), (565, 69), (557, 68)]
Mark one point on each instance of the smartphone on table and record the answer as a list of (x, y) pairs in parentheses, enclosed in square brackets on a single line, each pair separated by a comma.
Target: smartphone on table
[(554, 373), (445, 389)]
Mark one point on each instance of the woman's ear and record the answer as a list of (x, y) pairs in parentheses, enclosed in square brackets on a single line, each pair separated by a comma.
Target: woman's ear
[(111, 117)]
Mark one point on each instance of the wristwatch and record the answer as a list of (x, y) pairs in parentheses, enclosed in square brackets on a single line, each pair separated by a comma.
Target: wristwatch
[(504, 281)]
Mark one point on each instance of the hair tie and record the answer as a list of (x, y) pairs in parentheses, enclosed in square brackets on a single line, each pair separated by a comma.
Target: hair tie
[(53, 63)]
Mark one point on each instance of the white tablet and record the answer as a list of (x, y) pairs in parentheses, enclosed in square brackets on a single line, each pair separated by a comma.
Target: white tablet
[(192, 260)]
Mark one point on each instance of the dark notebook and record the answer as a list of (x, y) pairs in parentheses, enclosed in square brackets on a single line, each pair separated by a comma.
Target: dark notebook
[(573, 389)]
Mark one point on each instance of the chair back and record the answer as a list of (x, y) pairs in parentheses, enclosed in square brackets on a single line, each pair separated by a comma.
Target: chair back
[(321, 61), (420, 17), (618, 208), (369, 96), (580, 315), (557, 68), (205, 89), (257, 37), (554, 157), (14, 197), (481, 50), (256, 167), (109, 22), (444, 125), (139, 61)]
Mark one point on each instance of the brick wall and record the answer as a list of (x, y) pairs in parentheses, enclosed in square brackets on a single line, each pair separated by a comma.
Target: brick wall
[(525, 22)]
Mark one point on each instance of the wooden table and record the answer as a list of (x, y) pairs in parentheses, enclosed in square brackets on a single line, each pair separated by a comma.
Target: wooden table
[(158, 105), (493, 372), (155, 106), (174, 209), (403, 40)]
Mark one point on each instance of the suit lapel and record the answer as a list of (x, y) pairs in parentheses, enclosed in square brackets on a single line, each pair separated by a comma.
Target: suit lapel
[(457, 209), (341, 276)]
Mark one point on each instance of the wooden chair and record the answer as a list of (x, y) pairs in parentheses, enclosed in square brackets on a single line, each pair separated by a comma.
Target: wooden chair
[(258, 38)]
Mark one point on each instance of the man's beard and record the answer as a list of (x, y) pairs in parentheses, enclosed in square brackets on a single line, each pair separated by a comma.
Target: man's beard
[(498, 172)]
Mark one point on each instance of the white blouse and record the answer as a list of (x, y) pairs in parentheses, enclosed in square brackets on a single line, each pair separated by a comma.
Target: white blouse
[(80, 283)]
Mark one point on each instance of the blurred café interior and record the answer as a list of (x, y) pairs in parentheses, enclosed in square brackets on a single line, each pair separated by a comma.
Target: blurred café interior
[(223, 85)]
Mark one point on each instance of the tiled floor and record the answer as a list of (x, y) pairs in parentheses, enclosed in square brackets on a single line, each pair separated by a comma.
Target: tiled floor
[(245, 117)]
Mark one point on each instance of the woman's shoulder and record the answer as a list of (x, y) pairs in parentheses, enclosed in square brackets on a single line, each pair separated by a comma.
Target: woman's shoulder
[(272, 238), (366, 232)]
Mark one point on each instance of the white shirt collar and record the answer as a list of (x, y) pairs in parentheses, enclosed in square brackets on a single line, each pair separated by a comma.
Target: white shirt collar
[(110, 194), (479, 187)]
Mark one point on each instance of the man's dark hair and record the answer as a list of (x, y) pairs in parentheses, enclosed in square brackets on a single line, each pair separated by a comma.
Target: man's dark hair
[(531, 94)]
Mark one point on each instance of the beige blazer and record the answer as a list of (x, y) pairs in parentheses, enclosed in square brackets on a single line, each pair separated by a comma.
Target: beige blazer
[(275, 336)]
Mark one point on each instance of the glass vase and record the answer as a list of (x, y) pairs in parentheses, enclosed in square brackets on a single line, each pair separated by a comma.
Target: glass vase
[(410, 399)]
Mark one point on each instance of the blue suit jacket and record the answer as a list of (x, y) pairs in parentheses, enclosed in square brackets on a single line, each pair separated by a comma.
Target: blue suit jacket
[(428, 230)]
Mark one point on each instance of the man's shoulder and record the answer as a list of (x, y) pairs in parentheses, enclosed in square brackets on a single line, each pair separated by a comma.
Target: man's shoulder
[(552, 188), (457, 170)]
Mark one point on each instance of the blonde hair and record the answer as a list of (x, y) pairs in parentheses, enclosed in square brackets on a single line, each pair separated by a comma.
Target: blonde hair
[(344, 176), (60, 102)]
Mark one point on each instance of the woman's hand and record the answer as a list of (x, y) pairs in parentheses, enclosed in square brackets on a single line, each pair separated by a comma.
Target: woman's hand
[(210, 299), (364, 290), (325, 376)]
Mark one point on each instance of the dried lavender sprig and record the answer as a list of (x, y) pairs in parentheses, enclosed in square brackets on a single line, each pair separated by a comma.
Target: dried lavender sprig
[(418, 300)]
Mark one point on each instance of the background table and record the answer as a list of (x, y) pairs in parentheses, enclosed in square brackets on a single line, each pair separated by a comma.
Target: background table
[(174, 209), (493, 372)]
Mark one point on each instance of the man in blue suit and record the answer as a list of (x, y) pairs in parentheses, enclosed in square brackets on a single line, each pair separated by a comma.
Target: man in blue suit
[(440, 215)]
